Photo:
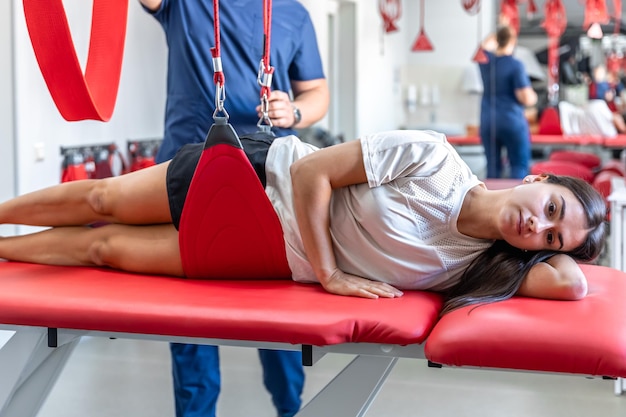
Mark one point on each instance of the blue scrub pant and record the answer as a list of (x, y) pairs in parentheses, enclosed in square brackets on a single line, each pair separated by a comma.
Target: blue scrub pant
[(196, 374), (516, 140)]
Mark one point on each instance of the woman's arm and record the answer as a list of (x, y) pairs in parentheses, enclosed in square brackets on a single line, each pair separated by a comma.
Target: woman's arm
[(559, 278), (490, 43), (313, 178), (526, 96)]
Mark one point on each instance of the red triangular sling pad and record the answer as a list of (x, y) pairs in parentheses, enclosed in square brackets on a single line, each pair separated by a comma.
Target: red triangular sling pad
[(228, 227), (79, 97)]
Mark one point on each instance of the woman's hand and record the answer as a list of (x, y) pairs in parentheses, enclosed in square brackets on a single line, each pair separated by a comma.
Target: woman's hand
[(342, 283)]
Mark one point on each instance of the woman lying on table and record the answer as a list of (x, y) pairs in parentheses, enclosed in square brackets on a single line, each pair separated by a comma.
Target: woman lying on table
[(391, 211)]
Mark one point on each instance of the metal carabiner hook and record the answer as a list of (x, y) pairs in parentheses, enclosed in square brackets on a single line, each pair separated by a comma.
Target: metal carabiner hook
[(264, 78), (220, 98), (264, 123)]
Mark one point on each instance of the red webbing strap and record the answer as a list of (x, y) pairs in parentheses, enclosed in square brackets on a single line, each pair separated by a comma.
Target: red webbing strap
[(78, 96), (218, 74), (390, 11), (228, 227), (268, 70)]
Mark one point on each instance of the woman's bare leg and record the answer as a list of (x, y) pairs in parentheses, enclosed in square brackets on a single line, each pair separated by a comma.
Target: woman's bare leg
[(151, 249), (139, 197)]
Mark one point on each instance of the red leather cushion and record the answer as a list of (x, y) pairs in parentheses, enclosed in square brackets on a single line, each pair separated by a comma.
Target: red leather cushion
[(228, 227), (562, 168), (74, 172), (580, 337), (549, 122), (602, 182), (614, 165), (268, 311), (587, 159)]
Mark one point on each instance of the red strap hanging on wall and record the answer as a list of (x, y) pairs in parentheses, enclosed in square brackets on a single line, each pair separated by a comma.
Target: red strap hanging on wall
[(472, 7), (390, 11), (78, 96)]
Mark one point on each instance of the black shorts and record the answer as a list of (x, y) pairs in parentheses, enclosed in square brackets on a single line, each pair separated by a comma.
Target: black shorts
[(182, 167)]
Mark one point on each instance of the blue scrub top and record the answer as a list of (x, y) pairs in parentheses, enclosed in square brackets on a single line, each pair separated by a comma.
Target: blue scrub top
[(502, 75), (188, 26)]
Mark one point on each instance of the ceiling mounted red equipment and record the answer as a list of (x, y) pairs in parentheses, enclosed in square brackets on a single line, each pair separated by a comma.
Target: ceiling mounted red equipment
[(510, 13), (595, 15), (390, 11), (472, 7), (422, 43)]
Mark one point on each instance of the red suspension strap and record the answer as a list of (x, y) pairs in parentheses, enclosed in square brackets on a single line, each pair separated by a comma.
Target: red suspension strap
[(218, 72), (78, 96), (227, 214), (266, 71)]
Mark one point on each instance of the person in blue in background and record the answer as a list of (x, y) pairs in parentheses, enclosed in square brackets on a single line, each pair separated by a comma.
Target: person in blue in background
[(507, 90), (298, 99), (607, 87)]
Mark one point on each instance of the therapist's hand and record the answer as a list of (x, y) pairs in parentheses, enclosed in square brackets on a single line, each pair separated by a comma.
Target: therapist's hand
[(345, 284)]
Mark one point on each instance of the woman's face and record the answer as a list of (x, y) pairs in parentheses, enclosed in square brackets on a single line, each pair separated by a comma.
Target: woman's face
[(542, 216)]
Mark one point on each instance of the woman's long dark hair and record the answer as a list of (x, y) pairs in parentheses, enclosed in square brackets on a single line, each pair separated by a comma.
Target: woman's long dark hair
[(497, 273)]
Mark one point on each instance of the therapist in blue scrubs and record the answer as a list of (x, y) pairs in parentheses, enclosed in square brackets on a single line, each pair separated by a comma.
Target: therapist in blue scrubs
[(299, 98), (507, 91)]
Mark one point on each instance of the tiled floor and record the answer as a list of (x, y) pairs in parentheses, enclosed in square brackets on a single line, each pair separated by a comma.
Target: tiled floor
[(115, 378)]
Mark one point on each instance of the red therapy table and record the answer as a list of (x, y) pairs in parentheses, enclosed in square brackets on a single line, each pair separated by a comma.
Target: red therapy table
[(51, 308)]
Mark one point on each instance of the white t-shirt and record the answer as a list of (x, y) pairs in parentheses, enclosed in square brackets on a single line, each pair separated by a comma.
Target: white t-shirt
[(399, 227), (595, 118)]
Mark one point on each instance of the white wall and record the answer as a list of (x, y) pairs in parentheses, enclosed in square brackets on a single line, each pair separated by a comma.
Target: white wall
[(455, 38), (140, 104), (385, 65), (379, 64), (7, 148)]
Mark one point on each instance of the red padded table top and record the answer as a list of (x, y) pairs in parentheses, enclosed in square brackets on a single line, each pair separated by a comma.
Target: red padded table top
[(535, 139), (618, 141), (580, 337), (281, 311), (580, 140)]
